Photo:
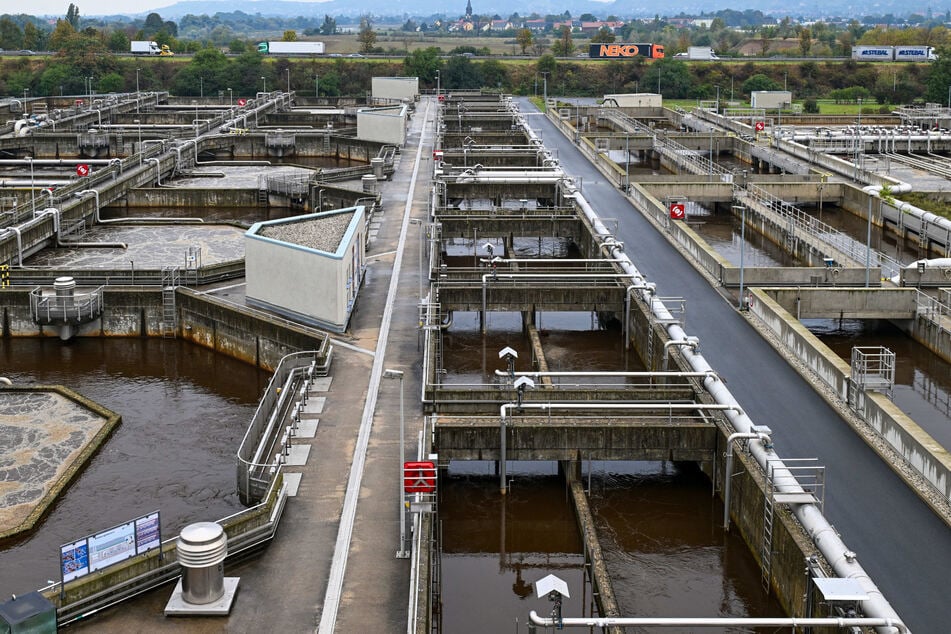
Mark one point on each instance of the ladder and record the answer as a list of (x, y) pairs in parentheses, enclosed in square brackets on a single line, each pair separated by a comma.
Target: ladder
[(170, 280), (766, 547), (262, 198)]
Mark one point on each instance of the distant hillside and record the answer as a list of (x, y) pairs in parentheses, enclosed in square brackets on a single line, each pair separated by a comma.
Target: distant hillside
[(504, 8)]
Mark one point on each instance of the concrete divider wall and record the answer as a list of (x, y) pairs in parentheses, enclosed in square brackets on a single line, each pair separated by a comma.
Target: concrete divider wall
[(901, 433), (242, 333), (212, 197)]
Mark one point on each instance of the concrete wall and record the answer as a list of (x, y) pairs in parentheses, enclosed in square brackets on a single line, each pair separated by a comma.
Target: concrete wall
[(312, 285), (384, 125), (847, 303), (635, 100), (901, 433), (212, 197), (402, 88), (770, 99), (240, 332), (237, 331)]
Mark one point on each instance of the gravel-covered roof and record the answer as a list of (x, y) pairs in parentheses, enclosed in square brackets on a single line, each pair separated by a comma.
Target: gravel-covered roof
[(323, 234)]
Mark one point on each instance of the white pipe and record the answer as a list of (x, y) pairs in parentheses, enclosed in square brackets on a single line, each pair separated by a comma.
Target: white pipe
[(16, 230), (728, 477), (825, 537), (631, 374), (689, 342), (158, 170), (793, 622)]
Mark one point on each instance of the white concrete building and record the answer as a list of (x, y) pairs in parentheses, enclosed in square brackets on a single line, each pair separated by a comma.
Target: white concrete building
[(385, 125), (399, 88), (770, 99), (634, 100), (308, 268)]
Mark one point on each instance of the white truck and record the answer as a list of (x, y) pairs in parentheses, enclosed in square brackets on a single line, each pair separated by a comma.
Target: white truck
[(291, 48), (144, 47), (894, 53), (698, 52)]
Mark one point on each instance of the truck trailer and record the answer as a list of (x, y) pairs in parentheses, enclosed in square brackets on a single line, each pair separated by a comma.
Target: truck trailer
[(698, 52), (894, 53), (145, 47), (625, 51), (291, 48)]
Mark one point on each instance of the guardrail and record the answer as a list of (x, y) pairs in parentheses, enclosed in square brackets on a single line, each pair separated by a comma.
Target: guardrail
[(260, 454), (80, 308), (246, 530)]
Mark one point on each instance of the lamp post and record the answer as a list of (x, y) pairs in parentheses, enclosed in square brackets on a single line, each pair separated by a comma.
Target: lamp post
[(201, 87), (195, 103), (858, 138), (742, 208), (438, 87), (316, 86), (138, 122), (288, 69), (718, 99), (137, 89), (949, 97), (265, 83), (627, 162), (230, 95), (545, 75), (32, 185), (868, 244), (402, 552)]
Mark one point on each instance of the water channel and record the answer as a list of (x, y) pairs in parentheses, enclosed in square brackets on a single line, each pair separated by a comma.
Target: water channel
[(184, 411), (922, 379), (657, 522)]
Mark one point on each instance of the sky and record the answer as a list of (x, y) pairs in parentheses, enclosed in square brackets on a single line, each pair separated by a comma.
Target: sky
[(101, 7)]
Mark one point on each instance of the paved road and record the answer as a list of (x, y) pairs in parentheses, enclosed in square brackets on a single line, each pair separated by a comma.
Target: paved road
[(899, 541)]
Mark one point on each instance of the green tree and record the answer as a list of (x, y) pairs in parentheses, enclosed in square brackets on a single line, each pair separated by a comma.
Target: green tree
[(11, 37), (805, 42), (759, 82), (671, 77), (111, 82), (366, 36), (62, 33), (33, 38), (289, 36), (153, 24), (237, 46), (564, 46), (72, 16), (118, 42), (461, 73), (940, 77), (524, 39), (604, 35), (329, 27), (423, 63)]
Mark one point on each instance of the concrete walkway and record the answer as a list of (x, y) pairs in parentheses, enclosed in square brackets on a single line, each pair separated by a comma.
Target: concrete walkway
[(283, 588)]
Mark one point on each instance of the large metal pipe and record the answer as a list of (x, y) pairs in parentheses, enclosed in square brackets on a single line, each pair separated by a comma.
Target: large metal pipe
[(791, 622), (824, 536)]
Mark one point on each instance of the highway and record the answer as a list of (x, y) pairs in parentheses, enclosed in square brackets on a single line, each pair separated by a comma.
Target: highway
[(900, 542)]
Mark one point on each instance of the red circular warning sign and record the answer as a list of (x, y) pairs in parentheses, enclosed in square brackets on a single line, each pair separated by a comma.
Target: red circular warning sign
[(242, 102), (760, 126), (82, 170), (678, 211)]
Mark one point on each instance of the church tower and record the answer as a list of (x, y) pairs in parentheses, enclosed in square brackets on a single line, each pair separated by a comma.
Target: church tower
[(468, 9)]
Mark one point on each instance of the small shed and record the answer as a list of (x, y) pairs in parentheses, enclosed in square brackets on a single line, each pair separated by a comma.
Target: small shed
[(770, 99), (397, 88), (384, 125), (634, 100), (308, 268)]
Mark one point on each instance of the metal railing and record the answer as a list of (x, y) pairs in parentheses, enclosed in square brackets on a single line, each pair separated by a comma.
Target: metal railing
[(261, 454), (77, 308), (800, 221)]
